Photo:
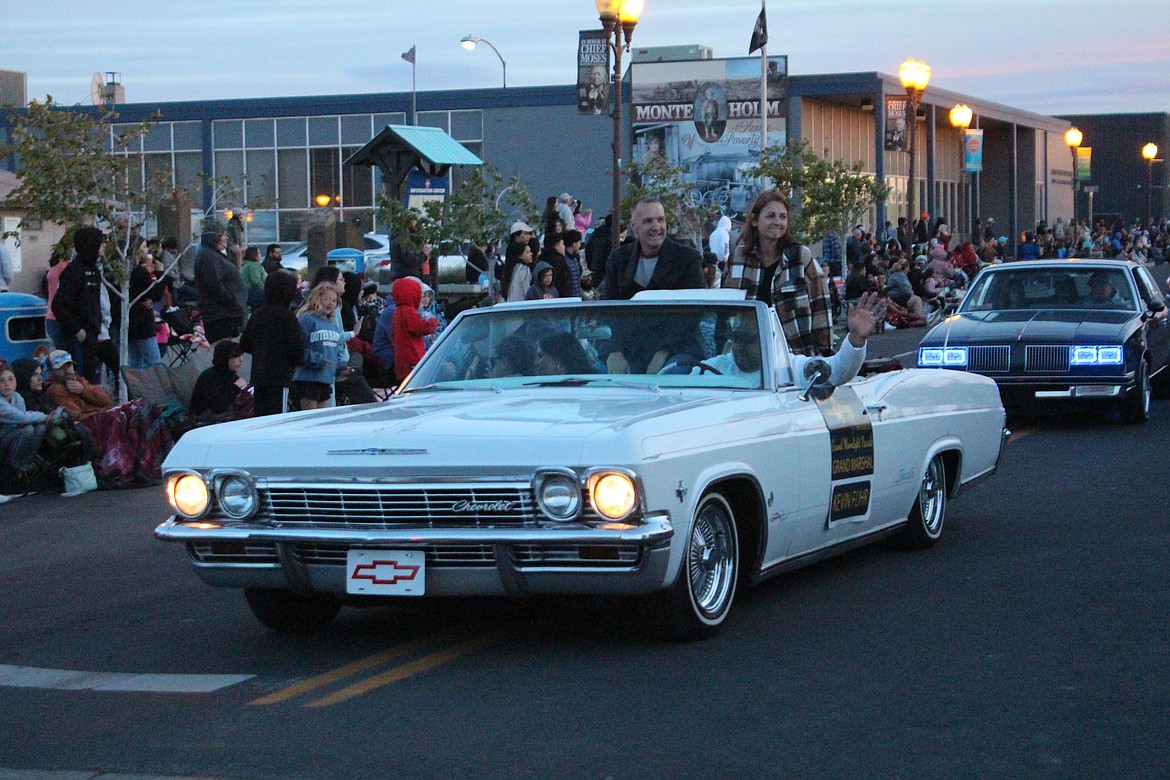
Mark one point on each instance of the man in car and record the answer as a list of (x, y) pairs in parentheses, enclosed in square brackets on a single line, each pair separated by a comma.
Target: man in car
[(1102, 293), (651, 262)]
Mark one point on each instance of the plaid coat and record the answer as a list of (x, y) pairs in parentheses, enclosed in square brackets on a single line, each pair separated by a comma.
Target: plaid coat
[(800, 295)]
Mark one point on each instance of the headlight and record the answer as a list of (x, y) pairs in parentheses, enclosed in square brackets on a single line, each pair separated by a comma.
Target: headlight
[(188, 494), (613, 494), (558, 494), (954, 357), (1096, 356), (237, 496), (930, 356)]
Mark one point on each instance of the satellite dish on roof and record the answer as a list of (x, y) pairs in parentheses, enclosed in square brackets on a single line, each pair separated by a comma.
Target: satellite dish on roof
[(97, 90)]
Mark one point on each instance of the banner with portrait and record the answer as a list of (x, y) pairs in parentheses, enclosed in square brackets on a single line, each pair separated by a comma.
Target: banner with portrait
[(706, 116), (593, 72), (973, 150), (1084, 170), (897, 123)]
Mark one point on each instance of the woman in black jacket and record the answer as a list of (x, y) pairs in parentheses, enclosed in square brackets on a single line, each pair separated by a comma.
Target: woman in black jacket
[(216, 389), (273, 337)]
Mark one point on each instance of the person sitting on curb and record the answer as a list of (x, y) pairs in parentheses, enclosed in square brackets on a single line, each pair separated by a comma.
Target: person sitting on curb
[(72, 392)]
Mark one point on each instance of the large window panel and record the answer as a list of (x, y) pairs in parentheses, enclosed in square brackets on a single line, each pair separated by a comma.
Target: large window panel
[(355, 129), (188, 166), (123, 144), (359, 182), (158, 171), (294, 226), (259, 133), (188, 136), (158, 138), (129, 171), (228, 133), (324, 173), (322, 131), (261, 228), (460, 173), (293, 186), (261, 176), (230, 166), (381, 120), (437, 119), (290, 132)]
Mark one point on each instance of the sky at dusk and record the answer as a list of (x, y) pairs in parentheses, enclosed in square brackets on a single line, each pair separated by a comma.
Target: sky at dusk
[(1065, 57)]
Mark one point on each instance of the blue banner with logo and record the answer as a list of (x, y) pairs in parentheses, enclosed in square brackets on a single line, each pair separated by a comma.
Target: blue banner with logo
[(973, 151)]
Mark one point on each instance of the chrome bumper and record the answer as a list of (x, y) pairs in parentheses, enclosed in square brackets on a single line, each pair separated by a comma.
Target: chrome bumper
[(501, 573)]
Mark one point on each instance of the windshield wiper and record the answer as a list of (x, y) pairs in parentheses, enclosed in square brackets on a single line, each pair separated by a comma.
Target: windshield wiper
[(581, 381), (437, 388)]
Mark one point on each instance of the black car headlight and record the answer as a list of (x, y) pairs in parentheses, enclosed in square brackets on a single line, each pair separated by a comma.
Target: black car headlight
[(237, 495), (558, 494)]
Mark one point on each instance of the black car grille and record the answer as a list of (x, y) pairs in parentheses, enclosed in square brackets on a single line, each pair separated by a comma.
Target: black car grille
[(989, 360), (1047, 358), (621, 556), (234, 552), (376, 506)]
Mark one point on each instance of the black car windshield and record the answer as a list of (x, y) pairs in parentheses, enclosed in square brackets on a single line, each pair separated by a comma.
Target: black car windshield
[(1073, 287), (599, 344)]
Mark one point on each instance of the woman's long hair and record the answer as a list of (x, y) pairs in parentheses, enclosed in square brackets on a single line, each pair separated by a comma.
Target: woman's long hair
[(750, 237), (312, 304)]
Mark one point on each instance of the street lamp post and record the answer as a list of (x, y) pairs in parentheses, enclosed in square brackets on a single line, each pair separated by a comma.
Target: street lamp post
[(961, 116), (915, 75), (618, 18), (469, 41), (1150, 152), (1073, 138)]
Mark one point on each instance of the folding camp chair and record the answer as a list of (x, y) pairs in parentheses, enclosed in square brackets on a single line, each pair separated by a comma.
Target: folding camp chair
[(186, 334)]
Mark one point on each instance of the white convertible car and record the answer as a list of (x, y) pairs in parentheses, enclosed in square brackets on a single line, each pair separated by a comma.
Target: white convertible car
[(514, 462)]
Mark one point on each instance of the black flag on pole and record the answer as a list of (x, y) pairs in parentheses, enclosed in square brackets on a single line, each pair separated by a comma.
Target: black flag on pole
[(408, 55), (759, 34)]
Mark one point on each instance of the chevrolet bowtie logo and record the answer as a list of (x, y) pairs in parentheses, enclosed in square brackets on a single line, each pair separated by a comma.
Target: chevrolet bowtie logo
[(380, 451), (388, 572)]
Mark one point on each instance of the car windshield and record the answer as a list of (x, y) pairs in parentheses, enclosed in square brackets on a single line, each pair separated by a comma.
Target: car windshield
[(1072, 287), (598, 344)]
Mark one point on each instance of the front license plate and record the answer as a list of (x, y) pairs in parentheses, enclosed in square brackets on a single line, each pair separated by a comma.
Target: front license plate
[(386, 572)]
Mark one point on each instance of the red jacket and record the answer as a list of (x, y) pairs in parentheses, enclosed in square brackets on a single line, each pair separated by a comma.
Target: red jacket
[(408, 326)]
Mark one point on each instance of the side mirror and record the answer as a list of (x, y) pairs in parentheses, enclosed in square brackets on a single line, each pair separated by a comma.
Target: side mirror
[(1157, 306), (817, 371)]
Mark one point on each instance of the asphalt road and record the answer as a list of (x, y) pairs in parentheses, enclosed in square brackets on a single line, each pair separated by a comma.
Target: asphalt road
[(1030, 642)]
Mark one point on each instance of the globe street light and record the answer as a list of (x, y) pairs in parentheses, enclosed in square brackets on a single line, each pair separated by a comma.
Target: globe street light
[(961, 116), (1073, 138), (1150, 152), (915, 75), (468, 42), (618, 18)]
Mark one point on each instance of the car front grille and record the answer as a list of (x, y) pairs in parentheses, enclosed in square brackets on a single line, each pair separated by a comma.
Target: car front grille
[(621, 556), (444, 556), (384, 506), (234, 552), (1047, 358), (989, 360)]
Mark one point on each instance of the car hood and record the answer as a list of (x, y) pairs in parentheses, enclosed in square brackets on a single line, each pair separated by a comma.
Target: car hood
[(1033, 326), (445, 431)]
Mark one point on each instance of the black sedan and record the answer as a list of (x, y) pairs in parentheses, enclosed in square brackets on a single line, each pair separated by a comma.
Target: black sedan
[(1086, 331)]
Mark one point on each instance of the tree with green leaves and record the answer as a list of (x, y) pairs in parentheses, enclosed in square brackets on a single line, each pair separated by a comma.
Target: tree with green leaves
[(827, 195)]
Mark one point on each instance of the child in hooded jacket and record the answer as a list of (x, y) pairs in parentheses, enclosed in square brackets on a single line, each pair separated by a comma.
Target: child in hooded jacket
[(408, 327), (542, 283)]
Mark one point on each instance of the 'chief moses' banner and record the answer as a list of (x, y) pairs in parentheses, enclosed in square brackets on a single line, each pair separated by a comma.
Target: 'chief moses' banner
[(593, 72), (896, 122)]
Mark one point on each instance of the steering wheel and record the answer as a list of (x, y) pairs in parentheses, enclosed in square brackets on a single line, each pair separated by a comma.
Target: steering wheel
[(701, 365)]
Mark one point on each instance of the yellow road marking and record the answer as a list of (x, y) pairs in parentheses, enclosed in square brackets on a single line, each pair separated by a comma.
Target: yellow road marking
[(426, 663), (1020, 434), (361, 665)]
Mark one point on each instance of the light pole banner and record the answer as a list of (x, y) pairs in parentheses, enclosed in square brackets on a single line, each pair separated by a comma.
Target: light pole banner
[(896, 122), (1084, 163), (593, 72), (973, 150)]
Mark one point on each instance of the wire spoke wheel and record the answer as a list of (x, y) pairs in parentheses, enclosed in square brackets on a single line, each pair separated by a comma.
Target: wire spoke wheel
[(925, 524), (711, 559)]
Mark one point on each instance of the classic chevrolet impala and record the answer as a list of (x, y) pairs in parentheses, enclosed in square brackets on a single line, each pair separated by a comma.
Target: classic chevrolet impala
[(669, 448)]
